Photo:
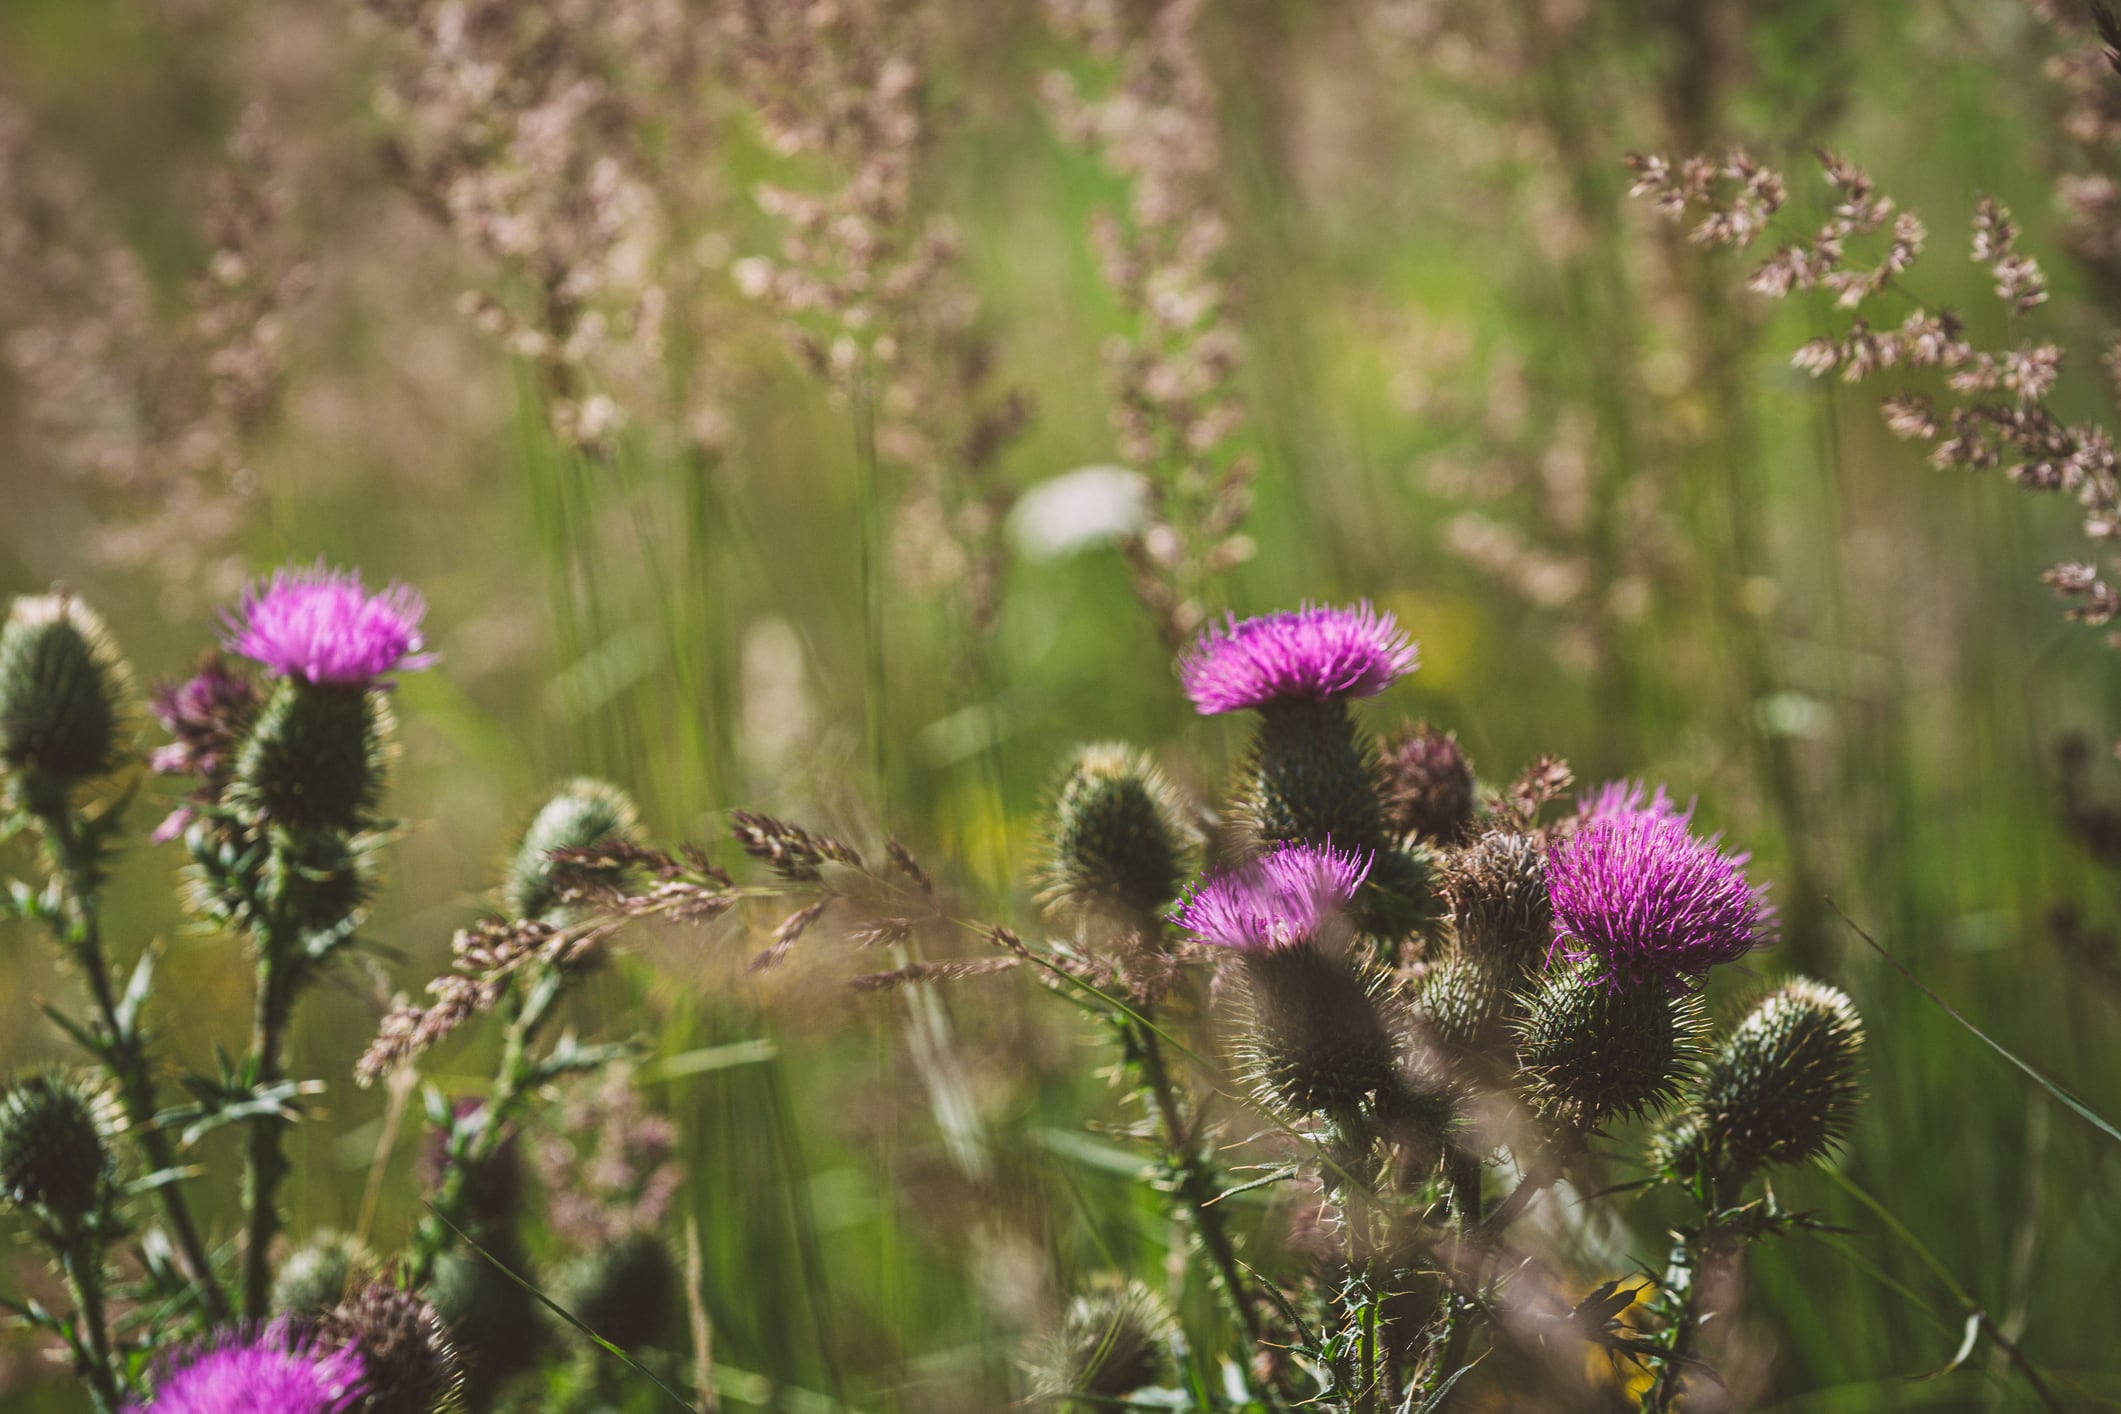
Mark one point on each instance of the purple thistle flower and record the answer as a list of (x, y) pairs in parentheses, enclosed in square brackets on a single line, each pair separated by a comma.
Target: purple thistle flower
[(323, 626), (1279, 900), (207, 715), (267, 1373), (1316, 654), (1629, 798), (1636, 889)]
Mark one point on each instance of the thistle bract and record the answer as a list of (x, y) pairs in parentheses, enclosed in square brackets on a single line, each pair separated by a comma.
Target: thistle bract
[(1315, 654), (409, 1364), (1783, 1086), (320, 1273), (55, 1153), (1110, 1343), (1497, 889), (1595, 1048), (1637, 890), (1463, 1003), (266, 1373), (626, 1291), (63, 690), (1428, 785), (1118, 839), (322, 626), (316, 758), (584, 813)]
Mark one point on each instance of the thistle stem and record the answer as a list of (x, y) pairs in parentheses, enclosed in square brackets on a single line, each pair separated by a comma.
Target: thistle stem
[(1708, 1243), (79, 1264), (265, 1165), (1196, 1180), (125, 1056)]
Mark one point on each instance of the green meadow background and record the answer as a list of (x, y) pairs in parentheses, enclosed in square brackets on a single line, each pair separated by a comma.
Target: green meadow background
[(1458, 327)]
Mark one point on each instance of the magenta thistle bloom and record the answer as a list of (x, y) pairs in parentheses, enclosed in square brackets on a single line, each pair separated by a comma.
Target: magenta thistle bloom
[(207, 715), (322, 626), (1635, 888), (1279, 900), (1316, 654), (1629, 798), (263, 1374)]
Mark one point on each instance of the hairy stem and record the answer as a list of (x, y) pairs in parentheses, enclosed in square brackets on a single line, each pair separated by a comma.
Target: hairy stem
[(265, 1164), (81, 1266), (126, 1055)]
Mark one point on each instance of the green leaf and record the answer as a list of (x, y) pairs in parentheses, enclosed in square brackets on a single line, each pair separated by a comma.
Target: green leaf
[(136, 992), (2083, 1111), (561, 1311)]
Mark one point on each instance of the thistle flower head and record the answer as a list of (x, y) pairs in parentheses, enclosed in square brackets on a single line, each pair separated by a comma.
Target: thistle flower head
[(1635, 888), (626, 1291), (1427, 784), (206, 715), (322, 626), (1118, 839), (1113, 1341), (1315, 654), (63, 690), (1278, 901), (408, 1362), (1629, 798), (320, 1273), (583, 814), (264, 1373), (1783, 1086), (55, 1152), (1497, 888)]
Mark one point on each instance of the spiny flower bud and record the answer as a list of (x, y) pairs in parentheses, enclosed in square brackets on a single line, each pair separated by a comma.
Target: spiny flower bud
[(496, 1326), (1314, 1036), (1783, 1086), (55, 1152), (63, 692), (320, 1273), (626, 1291), (1497, 888), (1595, 1047), (1119, 840), (583, 813), (316, 757), (1463, 1004), (1428, 784), (1112, 1342), (409, 1363)]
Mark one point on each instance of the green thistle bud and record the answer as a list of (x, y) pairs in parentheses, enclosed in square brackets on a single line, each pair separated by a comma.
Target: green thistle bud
[(408, 1363), (1783, 1087), (1314, 1036), (626, 1291), (320, 1273), (1497, 887), (1112, 1342), (1595, 1048), (55, 1152), (1464, 1003), (317, 756), (495, 1325), (63, 692), (584, 813), (1118, 839)]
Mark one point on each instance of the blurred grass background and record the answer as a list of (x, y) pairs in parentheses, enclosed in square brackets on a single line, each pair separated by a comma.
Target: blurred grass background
[(1721, 574)]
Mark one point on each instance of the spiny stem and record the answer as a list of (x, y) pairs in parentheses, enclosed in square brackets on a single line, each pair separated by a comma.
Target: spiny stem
[(79, 1263), (126, 1058), (266, 1164)]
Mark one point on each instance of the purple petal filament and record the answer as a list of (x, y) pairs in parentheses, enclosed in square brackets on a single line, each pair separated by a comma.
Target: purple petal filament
[(1316, 654), (1636, 889), (323, 626), (261, 1374), (1279, 900)]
